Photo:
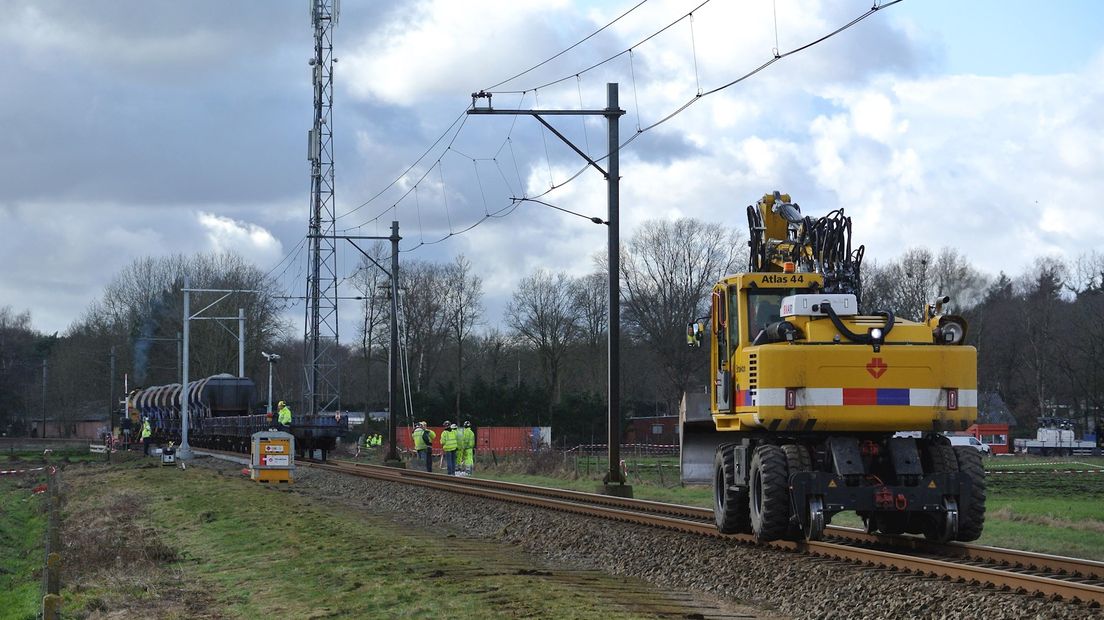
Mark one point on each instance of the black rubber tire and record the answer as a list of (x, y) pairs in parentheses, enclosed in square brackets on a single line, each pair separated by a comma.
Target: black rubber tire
[(797, 460), (971, 518), (770, 494), (730, 503), (942, 459)]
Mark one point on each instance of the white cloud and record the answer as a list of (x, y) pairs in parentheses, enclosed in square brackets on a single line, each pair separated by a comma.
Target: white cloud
[(228, 235), (443, 47)]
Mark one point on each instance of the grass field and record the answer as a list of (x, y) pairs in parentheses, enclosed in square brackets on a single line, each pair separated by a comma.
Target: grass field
[(161, 542), (22, 527), (1044, 509)]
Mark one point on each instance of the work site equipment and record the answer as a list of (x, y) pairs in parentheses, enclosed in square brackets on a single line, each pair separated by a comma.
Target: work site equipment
[(806, 394)]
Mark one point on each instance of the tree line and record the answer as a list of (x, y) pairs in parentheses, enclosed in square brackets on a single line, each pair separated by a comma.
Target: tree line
[(544, 361)]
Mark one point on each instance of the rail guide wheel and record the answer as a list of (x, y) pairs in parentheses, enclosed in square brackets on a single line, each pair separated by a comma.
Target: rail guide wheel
[(814, 521)]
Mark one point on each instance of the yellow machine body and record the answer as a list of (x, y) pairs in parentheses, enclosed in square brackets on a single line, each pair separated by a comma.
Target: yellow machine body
[(808, 397), (834, 385)]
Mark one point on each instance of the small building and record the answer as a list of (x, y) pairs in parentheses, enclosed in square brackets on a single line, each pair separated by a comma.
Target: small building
[(994, 423), (657, 429), (995, 435), (88, 426)]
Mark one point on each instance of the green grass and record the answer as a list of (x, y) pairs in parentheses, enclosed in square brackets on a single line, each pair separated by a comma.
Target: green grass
[(257, 551), (22, 526)]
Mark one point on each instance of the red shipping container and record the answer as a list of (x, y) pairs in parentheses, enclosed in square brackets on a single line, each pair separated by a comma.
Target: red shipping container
[(487, 438)]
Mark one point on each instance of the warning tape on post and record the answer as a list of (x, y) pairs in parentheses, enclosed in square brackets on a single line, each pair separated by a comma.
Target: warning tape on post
[(1026, 472), (14, 472)]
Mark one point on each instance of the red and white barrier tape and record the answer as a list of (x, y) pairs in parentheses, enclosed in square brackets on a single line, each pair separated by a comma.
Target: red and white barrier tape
[(12, 472), (1047, 471)]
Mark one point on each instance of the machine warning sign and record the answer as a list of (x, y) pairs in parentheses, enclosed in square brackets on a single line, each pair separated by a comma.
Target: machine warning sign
[(831, 484), (931, 485), (274, 447), (275, 460)]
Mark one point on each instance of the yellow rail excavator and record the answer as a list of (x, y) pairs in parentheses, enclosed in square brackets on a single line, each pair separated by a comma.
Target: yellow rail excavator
[(815, 408)]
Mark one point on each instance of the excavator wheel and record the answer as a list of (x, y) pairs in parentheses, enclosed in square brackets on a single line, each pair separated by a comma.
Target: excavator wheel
[(942, 459), (730, 502), (770, 493), (972, 517)]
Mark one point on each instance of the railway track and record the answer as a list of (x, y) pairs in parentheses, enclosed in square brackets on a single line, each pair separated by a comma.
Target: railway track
[(1024, 572)]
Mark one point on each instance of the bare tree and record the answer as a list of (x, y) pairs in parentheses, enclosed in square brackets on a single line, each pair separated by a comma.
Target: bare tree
[(543, 314), (913, 280), (424, 326), (374, 326), (463, 309), (956, 278), (668, 270), (142, 307), (589, 295), (1087, 273), (879, 287)]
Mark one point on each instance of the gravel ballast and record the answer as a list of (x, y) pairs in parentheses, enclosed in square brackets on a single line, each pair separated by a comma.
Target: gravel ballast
[(780, 582)]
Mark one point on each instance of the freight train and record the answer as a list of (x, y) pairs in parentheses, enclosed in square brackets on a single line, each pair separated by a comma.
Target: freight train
[(222, 415)]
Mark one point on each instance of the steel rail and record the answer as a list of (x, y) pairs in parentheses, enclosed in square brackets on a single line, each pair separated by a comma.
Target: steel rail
[(689, 519), (1059, 565)]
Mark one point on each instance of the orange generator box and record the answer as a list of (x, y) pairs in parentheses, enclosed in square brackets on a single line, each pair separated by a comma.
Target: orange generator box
[(272, 457)]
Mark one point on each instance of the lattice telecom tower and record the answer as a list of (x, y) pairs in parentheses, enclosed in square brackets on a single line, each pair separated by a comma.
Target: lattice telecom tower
[(322, 378)]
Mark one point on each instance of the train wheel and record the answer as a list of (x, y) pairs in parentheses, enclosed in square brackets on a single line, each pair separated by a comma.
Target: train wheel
[(770, 494), (730, 502), (798, 460), (972, 516)]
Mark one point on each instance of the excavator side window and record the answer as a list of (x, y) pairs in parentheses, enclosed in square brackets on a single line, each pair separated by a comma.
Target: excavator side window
[(720, 325), (734, 304)]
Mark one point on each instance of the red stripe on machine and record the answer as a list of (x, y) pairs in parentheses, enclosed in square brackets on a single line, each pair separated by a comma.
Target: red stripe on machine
[(860, 396)]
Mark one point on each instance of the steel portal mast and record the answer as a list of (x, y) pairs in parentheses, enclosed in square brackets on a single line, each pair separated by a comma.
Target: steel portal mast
[(322, 378)]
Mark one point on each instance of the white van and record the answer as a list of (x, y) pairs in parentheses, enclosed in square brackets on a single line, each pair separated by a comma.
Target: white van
[(970, 440)]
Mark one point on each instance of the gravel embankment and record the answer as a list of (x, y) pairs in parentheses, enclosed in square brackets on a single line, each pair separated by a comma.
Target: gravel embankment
[(785, 583)]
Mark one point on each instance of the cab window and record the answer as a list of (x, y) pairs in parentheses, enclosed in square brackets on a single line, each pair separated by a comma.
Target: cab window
[(764, 308)]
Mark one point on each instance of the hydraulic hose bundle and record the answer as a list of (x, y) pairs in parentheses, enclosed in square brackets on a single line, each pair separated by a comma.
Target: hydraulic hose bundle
[(819, 245)]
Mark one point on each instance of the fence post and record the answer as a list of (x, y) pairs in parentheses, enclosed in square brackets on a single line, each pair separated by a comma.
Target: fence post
[(51, 575), (51, 607)]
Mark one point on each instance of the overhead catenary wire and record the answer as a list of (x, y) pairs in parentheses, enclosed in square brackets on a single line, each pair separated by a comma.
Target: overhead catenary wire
[(463, 113), (606, 60), (515, 201), (568, 49)]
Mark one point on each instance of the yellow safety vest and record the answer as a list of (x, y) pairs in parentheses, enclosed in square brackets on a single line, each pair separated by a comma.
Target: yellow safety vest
[(421, 445), (146, 431), (284, 415)]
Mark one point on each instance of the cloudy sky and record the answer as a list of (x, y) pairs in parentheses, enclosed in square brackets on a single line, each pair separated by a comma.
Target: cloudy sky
[(149, 127)]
